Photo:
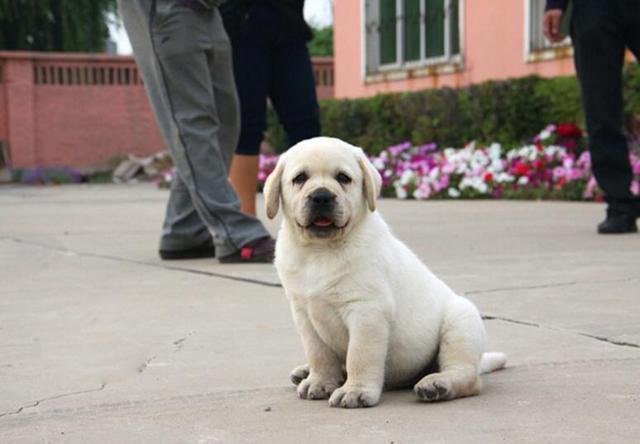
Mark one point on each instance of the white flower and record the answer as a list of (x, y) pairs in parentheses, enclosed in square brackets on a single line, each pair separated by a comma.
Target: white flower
[(495, 151), (401, 193), (482, 187), (378, 163), (523, 180), (454, 193), (406, 177), (504, 177), (545, 134)]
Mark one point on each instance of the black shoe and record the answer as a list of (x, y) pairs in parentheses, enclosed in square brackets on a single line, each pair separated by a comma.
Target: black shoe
[(618, 222), (258, 251), (201, 251)]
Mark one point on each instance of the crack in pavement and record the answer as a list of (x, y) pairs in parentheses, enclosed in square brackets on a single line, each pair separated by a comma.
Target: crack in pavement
[(179, 343), (50, 398), (563, 330), (145, 364), (135, 405), (610, 341), (553, 285), (147, 264)]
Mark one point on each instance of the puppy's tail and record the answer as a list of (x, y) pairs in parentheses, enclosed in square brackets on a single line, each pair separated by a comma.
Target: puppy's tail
[(492, 361)]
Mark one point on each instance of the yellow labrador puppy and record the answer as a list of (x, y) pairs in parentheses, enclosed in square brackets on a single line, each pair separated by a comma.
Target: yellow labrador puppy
[(370, 314)]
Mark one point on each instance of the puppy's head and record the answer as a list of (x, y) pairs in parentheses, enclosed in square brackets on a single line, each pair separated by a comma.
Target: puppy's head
[(326, 187)]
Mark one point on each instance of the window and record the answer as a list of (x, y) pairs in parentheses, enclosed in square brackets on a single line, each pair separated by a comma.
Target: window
[(410, 33), (536, 40)]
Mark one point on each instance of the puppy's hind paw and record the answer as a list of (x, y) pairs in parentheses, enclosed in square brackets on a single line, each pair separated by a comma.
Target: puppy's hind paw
[(299, 373), (350, 397)]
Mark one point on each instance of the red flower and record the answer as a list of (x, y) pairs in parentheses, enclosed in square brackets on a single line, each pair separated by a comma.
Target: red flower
[(521, 169), (569, 130), (561, 182), (538, 164), (488, 177), (570, 144)]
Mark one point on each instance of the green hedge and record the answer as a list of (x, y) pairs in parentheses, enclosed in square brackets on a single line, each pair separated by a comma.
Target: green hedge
[(509, 112)]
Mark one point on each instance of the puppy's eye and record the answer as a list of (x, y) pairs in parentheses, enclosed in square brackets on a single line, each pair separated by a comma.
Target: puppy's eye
[(300, 179), (343, 179)]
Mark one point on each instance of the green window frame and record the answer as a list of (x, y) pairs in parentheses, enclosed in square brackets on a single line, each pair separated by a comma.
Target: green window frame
[(412, 32)]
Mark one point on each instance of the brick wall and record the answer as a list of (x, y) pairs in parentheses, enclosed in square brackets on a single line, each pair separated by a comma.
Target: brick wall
[(323, 72), (3, 111), (82, 110)]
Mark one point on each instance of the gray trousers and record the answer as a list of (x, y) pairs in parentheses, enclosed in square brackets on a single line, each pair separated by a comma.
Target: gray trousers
[(185, 60)]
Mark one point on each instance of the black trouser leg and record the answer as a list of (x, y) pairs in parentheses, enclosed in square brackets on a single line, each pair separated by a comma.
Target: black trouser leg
[(599, 43)]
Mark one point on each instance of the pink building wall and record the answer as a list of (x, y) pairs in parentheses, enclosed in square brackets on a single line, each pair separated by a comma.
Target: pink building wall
[(493, 47)]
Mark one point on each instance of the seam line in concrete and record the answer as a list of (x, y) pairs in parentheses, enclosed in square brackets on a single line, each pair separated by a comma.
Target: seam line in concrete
[(553, 285), (147, 264), (50, 398), (548, 327), (135, 404)]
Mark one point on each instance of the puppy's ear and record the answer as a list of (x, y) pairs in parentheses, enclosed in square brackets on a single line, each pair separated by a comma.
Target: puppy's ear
[(273, 189), (372, 180)]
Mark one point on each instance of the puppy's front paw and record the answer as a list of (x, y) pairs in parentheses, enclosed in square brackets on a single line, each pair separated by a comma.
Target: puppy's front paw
[(434, 387), (315, 387), (299, 373), (351, 396)]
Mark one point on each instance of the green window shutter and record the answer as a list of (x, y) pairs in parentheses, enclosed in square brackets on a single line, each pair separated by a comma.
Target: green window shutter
[(434, 28), (411, 30), (455, 26), (388, 37)]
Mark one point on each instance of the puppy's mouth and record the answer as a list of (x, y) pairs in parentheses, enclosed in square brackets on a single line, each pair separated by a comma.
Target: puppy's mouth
[(322, 226), (323, 222)]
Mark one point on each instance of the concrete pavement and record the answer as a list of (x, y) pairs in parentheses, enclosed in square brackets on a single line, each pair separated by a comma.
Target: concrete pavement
[(100, 341)]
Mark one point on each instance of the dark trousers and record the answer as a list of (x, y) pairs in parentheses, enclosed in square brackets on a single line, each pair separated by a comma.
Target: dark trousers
[(601, 30), (271, 60)]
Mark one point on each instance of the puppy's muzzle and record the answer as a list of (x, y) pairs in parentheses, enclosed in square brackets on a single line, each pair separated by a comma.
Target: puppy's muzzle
[(322, 207)]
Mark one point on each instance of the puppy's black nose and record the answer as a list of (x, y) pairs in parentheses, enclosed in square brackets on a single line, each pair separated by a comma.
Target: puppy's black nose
[(322, 196)]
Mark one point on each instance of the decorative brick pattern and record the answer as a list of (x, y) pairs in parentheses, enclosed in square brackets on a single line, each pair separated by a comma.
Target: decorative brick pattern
[(81, 110)]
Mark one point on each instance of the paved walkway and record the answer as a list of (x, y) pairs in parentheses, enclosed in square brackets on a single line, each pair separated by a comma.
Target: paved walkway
[(100, 341)]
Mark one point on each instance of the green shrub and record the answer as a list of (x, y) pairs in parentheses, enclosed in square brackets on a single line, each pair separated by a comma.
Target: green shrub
[(506, 111), (632, 89), (562, 98)]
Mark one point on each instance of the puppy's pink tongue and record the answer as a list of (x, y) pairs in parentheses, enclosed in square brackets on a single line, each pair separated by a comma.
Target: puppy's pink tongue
[(322, 222)]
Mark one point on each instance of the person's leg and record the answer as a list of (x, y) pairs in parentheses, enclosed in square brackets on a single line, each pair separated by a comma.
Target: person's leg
[(184, 235), (293, 89), (182, 43), (252, 69), (599, 47), (244, 177), (182, 229)]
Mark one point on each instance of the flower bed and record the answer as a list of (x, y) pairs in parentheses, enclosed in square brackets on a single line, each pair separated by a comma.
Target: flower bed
[(554, 166)]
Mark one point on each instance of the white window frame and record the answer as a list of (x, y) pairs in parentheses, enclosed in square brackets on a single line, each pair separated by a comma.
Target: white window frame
[(371, 66), (548, 51)]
